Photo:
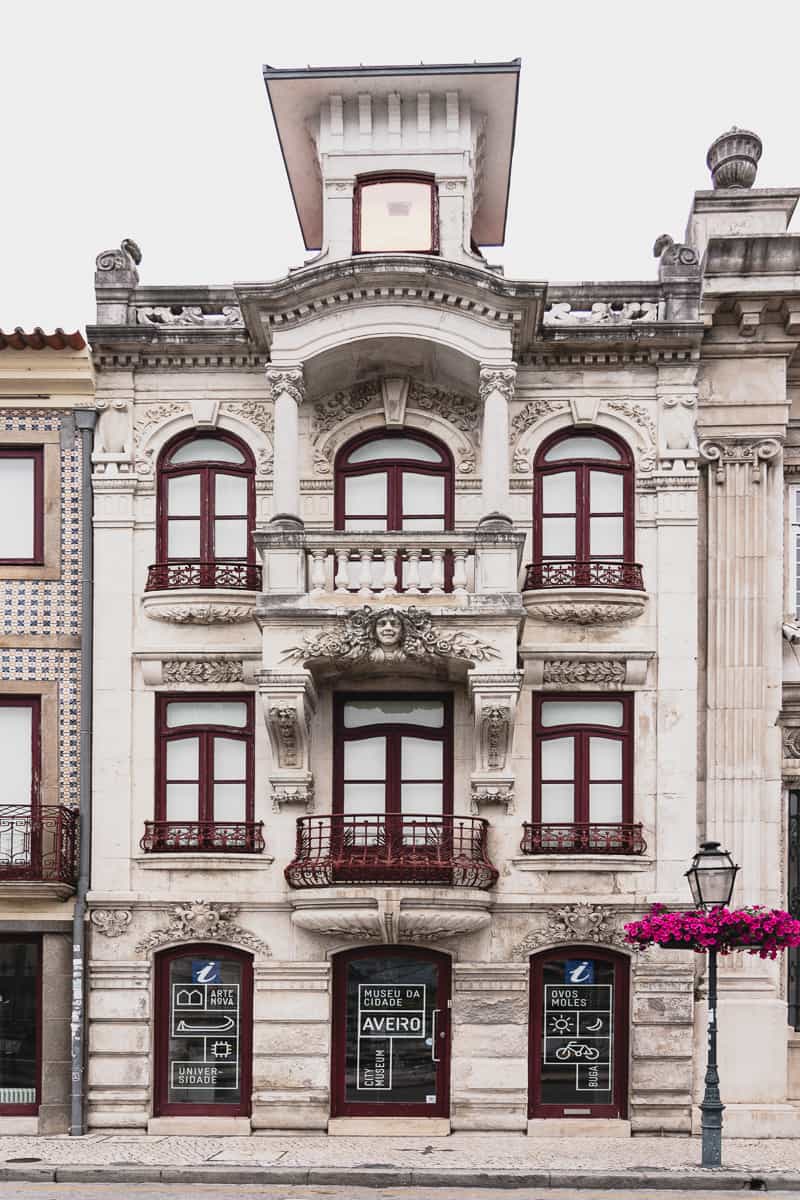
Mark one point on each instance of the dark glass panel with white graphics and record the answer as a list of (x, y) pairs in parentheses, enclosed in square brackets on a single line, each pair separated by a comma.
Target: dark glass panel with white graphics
[(19, 1001)]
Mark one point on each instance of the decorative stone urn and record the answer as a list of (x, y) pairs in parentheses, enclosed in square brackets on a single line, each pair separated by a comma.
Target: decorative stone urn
[(733, 158)]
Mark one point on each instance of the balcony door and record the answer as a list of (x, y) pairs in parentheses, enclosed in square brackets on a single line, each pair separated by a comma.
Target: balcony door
[(21, 819), (393, 781), (391, 1033)]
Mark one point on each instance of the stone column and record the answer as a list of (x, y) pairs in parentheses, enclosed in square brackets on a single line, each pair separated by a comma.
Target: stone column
[(496, 389), (285, 387)]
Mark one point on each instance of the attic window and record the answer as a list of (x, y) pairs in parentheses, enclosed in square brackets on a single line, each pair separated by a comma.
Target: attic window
[(395, 214)]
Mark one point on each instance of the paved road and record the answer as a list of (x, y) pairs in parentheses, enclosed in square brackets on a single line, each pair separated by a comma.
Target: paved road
[(152, 1191)]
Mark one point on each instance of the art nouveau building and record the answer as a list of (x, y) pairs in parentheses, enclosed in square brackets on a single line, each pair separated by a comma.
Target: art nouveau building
[(438, 615)]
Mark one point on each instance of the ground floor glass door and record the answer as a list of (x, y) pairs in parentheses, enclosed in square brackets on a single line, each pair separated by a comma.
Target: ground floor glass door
[(578, 1033), (20, 1026), (391, 1043)]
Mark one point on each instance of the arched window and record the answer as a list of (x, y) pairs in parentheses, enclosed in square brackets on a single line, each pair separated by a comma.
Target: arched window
[(395, 212), (583, 526), (394, 481), (206, 513)]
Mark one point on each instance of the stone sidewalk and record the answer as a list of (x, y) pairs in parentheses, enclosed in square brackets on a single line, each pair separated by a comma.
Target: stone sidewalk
[(465, 1160)]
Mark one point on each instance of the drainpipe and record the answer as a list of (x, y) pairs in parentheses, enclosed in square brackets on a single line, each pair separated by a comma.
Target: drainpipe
[(85, 421)]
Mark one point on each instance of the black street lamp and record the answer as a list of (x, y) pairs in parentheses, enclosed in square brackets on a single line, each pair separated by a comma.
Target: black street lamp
[(711, 878)]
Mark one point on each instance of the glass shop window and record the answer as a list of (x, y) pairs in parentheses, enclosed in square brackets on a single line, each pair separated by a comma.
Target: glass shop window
[(20, 1024)]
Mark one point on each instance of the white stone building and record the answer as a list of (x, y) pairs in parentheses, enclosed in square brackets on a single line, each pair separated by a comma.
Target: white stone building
[(438, 617)]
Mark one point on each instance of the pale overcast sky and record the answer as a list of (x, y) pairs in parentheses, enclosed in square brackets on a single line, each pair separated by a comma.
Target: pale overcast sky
[(150, 120)]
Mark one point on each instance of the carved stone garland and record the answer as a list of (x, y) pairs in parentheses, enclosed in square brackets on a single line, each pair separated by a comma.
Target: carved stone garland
[(574, 923), (202, 670), (568, 670), (203, 921)]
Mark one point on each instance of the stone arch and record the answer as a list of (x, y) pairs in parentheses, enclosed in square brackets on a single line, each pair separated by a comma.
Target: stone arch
[(634, 434), (150, 437), (462, 445)]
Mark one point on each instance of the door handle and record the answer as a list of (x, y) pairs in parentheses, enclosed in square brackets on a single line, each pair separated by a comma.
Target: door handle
[(434, 1056)]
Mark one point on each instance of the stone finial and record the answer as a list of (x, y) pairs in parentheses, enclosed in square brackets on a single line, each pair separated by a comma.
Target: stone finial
[(117, 268), (733, 158), (675, 259)]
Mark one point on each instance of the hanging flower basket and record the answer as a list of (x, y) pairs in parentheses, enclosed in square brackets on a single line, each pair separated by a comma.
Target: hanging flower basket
[(766, 932)]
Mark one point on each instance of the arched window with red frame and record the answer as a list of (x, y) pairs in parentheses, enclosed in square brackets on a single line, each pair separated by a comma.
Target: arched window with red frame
[(583, 526), (206, 513)]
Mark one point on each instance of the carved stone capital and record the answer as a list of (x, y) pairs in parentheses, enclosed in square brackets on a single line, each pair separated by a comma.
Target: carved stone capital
[(111, 922), (292, 795), (754, 453), (286, 381), (491, 795), (497, 379)]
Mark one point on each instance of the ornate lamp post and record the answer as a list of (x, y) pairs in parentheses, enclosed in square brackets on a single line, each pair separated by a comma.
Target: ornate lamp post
[(711, 878)]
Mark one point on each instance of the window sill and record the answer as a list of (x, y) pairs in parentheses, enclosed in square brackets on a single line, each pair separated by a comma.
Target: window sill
[(202, 860), (583, 862), (31, 889)]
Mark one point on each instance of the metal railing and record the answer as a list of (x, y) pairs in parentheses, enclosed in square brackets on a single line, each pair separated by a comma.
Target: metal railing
[(582, 838), (39, 845), (166, 576), (583, 574), (378, 848), (244, 837)]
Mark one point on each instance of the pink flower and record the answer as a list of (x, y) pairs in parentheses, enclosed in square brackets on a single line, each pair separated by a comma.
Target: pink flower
[(761, 931)]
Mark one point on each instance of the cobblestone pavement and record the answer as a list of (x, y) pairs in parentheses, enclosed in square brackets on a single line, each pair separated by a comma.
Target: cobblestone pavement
[(459, 1151)]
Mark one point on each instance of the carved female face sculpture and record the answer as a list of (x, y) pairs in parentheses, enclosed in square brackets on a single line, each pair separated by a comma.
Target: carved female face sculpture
[(388, 631)]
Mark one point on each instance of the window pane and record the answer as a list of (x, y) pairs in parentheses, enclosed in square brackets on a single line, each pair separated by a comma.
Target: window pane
[(182, 802), (389, 712), (183, 539), (423, 524), (365, 759), (394, 448), (557, 802), (230, 539), (558, 537), (230, 495), (422, 493), (17, 497), (183, 496), (421, 799), (396, 216), (582, 712), (19, 988), (207, 450), (16, 752), (421, 759), (558, 758), (230, 758), (558, 492), (229, 802), (583, 447), (605, 802), (605, 492), (206, 712), (605, 758), (369, 523), (365, 494), (183, 758), (605, 536), (364, 798)]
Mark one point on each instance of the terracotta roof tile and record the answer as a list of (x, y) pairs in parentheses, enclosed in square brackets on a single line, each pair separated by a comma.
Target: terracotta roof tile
[(39, 340)]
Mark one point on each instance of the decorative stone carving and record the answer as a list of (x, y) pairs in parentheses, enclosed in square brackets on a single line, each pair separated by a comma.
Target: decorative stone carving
[(322, 462), (574, 923), (675, 259), (612, 312), (484, 797), (154, 415), (111, 922), (421, 925), (284, 719), (733, 158), (737, 452), (389, 635), (285, 381), (250, 410), (494, 736), (678, 412), (126, 258), (520, 463), (203, 921), (791, 742), (331, 411), (531, 414), (394, 393), (497, 379), (341, 921), (607, 611), (197, 612), (203, 670), (466, 464), (390, 919), (638, 413), (190, 314), (570, 670), (289, 702), (461, 411), (113, 428), (296, 794)]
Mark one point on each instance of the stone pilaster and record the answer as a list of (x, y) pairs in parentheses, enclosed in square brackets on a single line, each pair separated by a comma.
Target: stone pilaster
[(286, 390), (496, 392)]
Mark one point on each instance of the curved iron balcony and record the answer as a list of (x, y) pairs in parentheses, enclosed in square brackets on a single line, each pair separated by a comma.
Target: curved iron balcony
[(344, 848), (583, 574), (582, 838), (39, 845), (243, 837), (163, 577)]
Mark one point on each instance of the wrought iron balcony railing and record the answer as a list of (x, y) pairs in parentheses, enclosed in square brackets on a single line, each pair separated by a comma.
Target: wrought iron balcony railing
[(167, 576), (582, 838), (379, 848), (39, 845), (243, 837), (568, 573)]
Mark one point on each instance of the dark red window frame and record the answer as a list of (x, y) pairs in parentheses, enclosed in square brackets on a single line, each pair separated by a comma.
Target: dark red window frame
[(207, 470), (36, 454), (581, 733), (394, 469), (373, 177), (393, 732), (206, 732), (162, 1107), (34, 703), (581, 467), (29, 1110), (341, 1107), (621, 1034)]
